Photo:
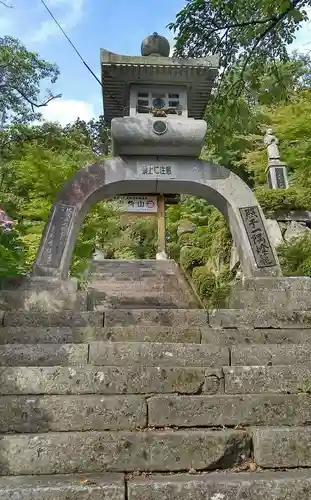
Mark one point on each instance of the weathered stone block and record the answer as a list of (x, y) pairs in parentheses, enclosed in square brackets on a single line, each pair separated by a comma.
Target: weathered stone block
[(295, 230), (62, 318), (260, 318), (65, 453), (282, 447), (276, 293), (71, 413), (289, 485), (66, 334), (42, 294), (137, 333), (259, 379), (155, 354), (43, 354), (224, 410), (274, 354), (47, 335), (104, 380), (161, 317), (214, 381), (72, 487), (185, 227), (232, 336)]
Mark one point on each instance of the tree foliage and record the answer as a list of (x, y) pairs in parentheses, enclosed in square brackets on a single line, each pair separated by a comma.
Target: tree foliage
[(21, 75), (252, 40), (244, 33)]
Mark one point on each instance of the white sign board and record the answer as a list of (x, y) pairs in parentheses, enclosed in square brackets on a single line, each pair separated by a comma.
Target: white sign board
[(158, 170), (139, 204)]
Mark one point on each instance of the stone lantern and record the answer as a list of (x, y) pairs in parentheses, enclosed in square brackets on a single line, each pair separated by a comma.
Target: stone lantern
[(155, 105)]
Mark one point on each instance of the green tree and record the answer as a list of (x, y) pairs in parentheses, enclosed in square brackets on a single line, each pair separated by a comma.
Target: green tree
[(21, 74), (252, 40), (291, 124), (243, 33)]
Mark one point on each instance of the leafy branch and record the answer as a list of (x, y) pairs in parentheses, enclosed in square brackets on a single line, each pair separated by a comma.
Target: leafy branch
[(35, 104), (2, 2)]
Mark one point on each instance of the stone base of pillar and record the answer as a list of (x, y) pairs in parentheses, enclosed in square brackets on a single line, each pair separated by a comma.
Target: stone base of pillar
[(277, 175), (272, 293), (43, 294)]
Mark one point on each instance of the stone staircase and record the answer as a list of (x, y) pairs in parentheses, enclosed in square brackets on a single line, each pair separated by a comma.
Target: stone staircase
[(155, 404), (139, 284)]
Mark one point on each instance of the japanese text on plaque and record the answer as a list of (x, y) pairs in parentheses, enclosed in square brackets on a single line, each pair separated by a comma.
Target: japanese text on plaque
[(258, 237), (155, 170)]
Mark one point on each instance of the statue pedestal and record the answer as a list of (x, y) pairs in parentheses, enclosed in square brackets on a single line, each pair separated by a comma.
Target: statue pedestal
[(277, 175)]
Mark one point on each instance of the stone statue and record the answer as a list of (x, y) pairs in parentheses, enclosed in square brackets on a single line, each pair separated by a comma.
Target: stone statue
[(272, 145)]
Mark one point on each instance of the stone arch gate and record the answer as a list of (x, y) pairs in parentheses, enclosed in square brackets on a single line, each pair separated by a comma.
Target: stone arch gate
[(117, 176)]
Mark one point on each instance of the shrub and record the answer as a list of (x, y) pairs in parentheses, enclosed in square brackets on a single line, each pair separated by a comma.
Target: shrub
[(295, 256), (191, 257), (273, 200), (213, 290), (12, 255)]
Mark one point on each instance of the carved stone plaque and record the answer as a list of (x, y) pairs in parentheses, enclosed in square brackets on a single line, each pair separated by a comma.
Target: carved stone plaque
[(56, 236), (280, 177), (258, 237)]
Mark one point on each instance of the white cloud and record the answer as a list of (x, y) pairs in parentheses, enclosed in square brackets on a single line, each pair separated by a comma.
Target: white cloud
[(67, 111), (67, 12), (302, 41)]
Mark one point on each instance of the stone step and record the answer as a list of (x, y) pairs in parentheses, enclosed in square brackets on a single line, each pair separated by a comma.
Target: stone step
[(229, 411), (74, 452), (249, 335), (287, 379), (271, 354), (289, 485), (156, 354), (129, 266), (260, 318), (128, 286), (141, 263), (25, 414), (135, 276), (153, 333), (160, 317), (43, 354), (146, 300), (281, 447), (55, 319), (112, 317), (114, 354), (109, 380), (63, 487), (133, 333), (130, 305)]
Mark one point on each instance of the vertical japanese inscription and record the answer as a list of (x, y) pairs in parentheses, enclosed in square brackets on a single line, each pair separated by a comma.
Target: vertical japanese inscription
[(56, 236), (258, 237), (280, 177)]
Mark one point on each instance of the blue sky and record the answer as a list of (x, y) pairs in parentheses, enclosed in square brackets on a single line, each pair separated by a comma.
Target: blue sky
[(116, 25)]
